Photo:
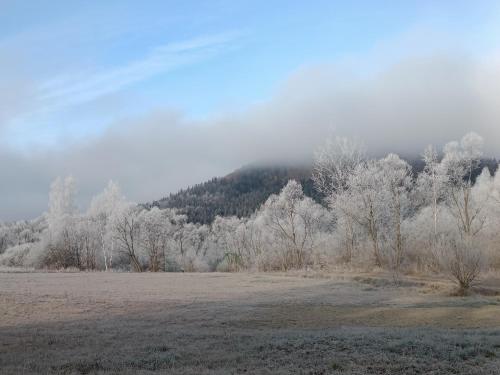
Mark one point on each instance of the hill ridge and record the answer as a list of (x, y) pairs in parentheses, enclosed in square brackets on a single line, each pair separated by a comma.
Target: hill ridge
[(241, 192)]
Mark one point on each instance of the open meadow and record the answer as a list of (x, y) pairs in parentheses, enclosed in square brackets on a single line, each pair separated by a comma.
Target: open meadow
[(221, 323)]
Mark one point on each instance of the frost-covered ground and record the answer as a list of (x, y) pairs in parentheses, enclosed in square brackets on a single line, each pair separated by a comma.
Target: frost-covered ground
[(81, 323)]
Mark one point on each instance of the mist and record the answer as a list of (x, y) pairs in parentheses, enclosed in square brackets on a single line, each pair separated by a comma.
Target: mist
[(400, 107)]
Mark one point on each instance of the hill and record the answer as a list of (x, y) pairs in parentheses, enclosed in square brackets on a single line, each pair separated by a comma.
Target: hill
[(237, 194), (243, 191)]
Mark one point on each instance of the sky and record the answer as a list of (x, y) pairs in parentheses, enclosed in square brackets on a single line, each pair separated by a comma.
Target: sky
[(160, 95)]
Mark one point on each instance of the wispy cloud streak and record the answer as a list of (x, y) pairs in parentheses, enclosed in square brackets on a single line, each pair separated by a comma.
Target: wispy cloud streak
[(63, 91)]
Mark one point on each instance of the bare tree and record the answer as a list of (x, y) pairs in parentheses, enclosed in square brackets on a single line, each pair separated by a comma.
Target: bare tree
[(460, 161), (102, 208), (233, 235), (361, 201), (64, 247), (334, 164), (155, 232), (464, 263), (431, 183), (397, 183), (126, 233), (292, 218)]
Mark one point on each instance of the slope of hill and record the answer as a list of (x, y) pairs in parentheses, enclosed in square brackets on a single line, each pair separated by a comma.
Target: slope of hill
[(243, 191), (239, 193)]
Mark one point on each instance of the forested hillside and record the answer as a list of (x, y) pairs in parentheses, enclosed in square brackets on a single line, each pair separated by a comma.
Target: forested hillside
[(237, 194), (245, 190)]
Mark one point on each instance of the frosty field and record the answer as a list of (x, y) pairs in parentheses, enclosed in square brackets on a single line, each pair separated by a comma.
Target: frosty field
[(110, 323)]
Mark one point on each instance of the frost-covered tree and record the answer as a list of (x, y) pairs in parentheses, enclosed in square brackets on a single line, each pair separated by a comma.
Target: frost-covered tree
[(496, 188), (62, 197), (379, 213), (21, 232), (397, 184), (460, 161), (64, 247), (126, 232), (102, 208), (431, 183), (334, 164), (362, 201), (234, 236), (199, 256), (21, 242), (293, 220), (62, 205), (156, 229)]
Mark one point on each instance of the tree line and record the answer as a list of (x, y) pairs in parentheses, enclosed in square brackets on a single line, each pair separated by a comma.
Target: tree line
[(374, 213)]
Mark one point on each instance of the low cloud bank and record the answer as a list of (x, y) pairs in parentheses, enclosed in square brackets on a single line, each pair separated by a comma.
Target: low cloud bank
[(400, 108)]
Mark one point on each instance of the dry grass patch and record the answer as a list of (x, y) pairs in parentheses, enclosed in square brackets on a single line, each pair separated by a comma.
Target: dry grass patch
[(320, 317), (207, 324)]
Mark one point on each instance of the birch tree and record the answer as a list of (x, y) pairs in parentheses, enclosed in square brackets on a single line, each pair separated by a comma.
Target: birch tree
[(103, 208), (431, 183)]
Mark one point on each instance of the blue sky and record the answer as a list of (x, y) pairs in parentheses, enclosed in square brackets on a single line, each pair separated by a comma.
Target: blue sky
[(87, 64), (159, 95)]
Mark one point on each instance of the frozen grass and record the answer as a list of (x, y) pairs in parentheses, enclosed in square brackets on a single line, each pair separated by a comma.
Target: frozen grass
[(5, 269), (242, 323)]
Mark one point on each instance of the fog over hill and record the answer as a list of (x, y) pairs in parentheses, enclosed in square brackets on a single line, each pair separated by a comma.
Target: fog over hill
[(401, 107), (242, 192)]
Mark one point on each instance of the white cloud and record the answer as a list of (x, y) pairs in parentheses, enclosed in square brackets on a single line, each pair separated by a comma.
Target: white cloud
[(404, 107)]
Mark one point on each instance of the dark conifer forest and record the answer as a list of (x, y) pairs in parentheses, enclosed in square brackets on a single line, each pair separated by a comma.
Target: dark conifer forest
[(242, 192)]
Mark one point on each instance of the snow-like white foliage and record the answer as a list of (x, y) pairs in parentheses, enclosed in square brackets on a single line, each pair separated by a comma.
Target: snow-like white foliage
[(156, 229), (397, 183), (375, 212), (62, 205), (334, 164), (293, 220), (459, 162), (430, 187), (103, 208)]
